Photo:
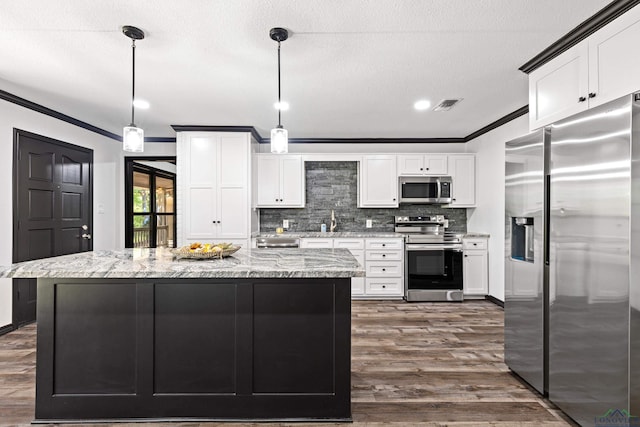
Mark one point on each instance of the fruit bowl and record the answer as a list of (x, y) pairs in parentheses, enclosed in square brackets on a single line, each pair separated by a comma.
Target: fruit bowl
[(207, 251)]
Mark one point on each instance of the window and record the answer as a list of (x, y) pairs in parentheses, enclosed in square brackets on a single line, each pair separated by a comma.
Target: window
[(150, 204)]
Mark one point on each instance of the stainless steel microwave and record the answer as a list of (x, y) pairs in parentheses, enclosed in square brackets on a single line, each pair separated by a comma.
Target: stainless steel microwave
[(424, 189)]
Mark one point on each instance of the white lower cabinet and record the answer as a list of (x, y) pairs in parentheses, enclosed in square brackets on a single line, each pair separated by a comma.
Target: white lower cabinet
[(384, 263), (475, 269), (382, 259)]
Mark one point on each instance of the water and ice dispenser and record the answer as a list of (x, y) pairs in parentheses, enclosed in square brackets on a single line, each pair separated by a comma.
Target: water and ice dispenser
[(522, 238)]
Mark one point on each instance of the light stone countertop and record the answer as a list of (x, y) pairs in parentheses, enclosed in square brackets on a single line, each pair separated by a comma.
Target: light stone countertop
[(161, 263), (476, 235), (335, 234)]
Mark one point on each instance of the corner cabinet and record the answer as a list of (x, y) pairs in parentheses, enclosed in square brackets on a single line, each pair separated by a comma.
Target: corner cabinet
[(280, 181), (475, 268), (378, 182), (597, 70), (422, 164), (462, 169), (214, 192)]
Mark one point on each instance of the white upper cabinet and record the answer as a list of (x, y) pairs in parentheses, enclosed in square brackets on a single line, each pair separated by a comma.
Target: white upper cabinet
[(422, 164), (599, 69), (378, 182), (614, 63), (462, 168), (559, 88), (280, 181), (213, 175)]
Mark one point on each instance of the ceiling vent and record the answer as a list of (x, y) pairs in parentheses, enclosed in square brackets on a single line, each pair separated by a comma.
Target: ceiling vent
[(446, 104)]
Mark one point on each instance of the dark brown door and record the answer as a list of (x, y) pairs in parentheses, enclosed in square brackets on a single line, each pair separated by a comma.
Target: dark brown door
[(52, 207)]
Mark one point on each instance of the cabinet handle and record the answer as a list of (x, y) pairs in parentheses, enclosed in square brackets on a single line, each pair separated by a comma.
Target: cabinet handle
[(384, 244), (384, 286), (384, 269), (394, 200), (218, 222), (475, 244), (466, 256), (427, 168), (582, 99), (421, 169), (276, 200), (384, 255), (592, 95)]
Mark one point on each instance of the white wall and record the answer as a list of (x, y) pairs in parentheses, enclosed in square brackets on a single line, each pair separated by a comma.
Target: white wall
[(108, 182), (488, 216)]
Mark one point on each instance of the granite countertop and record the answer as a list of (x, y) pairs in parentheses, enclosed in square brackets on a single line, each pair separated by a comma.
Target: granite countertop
[(335, 234), (161, 263), (476, 235)]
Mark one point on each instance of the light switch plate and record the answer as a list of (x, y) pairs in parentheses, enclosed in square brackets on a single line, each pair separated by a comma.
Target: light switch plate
[(285, 223), (369, 223)]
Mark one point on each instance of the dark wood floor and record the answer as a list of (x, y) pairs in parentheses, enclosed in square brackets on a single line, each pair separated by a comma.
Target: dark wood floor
[(427, 364)]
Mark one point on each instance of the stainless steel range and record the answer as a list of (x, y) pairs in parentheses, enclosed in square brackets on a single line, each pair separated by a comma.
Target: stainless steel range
[(433, 259)]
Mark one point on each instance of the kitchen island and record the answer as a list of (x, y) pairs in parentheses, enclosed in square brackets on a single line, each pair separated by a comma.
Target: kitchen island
[(138, 335)]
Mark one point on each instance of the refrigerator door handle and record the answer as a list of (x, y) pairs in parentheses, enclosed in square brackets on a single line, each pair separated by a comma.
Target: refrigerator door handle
[(547, 218)]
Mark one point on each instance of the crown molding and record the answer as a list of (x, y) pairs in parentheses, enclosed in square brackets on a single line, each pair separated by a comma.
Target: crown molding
[(605, 15)]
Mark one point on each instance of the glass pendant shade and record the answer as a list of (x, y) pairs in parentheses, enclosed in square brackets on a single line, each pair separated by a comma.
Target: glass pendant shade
[(133, 139), (279, 140)]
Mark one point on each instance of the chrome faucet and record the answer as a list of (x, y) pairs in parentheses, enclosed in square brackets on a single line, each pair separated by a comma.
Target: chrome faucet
[(334, 224)]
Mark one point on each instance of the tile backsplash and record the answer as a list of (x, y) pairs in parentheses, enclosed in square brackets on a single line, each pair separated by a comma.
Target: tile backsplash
[(334, 185)]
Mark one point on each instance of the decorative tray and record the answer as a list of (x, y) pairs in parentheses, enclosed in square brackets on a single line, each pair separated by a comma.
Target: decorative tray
[(206, 251)]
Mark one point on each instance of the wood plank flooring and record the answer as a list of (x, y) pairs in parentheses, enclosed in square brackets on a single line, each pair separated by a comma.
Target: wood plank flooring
[(413, 364)]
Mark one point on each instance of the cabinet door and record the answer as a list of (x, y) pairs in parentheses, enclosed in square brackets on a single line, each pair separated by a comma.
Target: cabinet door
[(435, 164), (268, 181), (292, 182), (614, 65), (475, 273), (462, 168), (233, 213), (201, 187), (410, 164), (378, 182), (233, 190), (559, 88)]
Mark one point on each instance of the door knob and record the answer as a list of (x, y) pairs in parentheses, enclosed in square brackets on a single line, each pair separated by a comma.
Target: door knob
[(86, 236), (85, 227)]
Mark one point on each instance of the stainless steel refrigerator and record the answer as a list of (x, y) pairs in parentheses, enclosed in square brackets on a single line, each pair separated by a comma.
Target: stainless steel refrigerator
[(572, 261)]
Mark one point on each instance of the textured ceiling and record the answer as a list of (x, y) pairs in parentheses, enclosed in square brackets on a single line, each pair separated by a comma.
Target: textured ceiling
[(350, 69)]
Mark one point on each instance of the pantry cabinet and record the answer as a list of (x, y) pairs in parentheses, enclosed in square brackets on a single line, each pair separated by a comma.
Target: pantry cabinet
[(378, 182), (422, 164), (462, 168), (597, 70), (213, 187), (280, 181)]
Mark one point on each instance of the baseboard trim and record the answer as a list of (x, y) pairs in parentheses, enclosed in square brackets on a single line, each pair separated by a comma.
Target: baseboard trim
[(6, 329), (495, 300)]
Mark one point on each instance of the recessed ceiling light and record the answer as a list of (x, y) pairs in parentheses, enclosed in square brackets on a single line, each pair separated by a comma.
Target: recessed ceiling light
[(141, 103), (422, 105), (282, 105)]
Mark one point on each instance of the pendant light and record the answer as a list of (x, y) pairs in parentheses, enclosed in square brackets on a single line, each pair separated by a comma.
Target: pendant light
[(279, 135), (133, 136)]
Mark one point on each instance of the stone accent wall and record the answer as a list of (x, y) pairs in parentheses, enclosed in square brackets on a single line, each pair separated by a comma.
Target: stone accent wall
[(334, 185)]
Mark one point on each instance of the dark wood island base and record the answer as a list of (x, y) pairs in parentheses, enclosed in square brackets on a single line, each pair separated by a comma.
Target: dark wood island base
[(193, 349)]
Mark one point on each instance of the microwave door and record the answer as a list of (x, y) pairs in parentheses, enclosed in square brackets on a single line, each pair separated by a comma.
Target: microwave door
[(419, 192)]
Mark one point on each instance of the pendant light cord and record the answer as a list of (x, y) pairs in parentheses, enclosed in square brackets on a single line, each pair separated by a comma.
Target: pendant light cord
[(133, 80), (279, 102)]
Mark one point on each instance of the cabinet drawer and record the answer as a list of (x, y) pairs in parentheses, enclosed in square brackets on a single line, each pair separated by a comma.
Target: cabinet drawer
[(348, 243), (479, 244), (397, 244), (316, 243), (392, 286), (357, 286), (384, 269), (384, 255)]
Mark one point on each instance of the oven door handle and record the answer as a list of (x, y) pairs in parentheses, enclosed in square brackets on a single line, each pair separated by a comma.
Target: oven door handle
[(414, 247)]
